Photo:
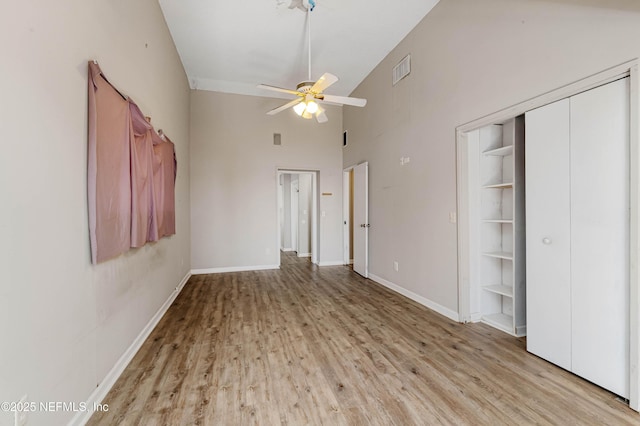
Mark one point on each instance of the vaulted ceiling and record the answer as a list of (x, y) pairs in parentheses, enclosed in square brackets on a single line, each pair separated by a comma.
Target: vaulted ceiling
[(231, 46)]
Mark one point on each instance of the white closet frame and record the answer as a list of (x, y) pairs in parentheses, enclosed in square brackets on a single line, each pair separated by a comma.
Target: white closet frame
[(629, 68)]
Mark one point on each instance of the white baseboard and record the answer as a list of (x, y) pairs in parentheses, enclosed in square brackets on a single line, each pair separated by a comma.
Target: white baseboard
[(286, 249), (100, 392), (233, 269), (475, 317), (332, 263), (304, 254), (453, 315)]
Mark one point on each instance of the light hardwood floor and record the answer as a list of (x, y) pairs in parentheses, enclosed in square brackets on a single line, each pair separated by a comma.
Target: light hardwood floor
[(308, 345)]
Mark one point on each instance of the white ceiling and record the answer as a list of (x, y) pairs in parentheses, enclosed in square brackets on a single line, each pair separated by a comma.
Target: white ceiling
[(232, 45)]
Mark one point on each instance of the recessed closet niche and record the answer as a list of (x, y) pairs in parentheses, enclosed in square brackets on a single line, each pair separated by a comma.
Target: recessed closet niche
[(548, 226), (497, 224)]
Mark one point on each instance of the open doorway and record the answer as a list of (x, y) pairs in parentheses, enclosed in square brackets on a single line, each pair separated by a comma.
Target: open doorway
[(297, 214), (347, 204), (356, 217)]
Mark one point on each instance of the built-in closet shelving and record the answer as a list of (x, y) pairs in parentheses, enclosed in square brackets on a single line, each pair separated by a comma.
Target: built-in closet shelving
[(501, 245)]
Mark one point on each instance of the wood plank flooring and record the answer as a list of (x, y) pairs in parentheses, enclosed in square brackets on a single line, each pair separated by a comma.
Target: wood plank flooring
[(307, 345)]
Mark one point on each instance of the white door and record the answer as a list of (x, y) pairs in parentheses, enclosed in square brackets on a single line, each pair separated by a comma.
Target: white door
[(548, 240), (294, 213), (577, 213), (361, 219), (600, 235)]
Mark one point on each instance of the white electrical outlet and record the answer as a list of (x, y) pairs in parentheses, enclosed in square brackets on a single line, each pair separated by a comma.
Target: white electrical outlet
[(395, 266), (22, 415), (452, 217)]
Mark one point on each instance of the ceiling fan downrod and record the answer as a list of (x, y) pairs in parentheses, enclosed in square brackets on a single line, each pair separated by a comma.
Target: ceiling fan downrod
[(309, 37)]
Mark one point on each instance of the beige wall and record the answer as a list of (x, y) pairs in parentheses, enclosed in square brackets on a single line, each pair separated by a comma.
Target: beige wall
[(469, 59), (233, 178), (63, 322)]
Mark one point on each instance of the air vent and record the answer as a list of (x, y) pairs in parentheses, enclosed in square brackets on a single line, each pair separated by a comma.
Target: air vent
[(402, 70)]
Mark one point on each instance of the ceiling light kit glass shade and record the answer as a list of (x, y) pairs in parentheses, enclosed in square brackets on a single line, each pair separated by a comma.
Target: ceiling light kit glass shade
[(306, 109), (299, 108)]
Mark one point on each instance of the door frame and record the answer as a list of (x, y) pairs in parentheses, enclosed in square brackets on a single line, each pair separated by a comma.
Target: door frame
[(630, 69), (315, 206), (294, 187)]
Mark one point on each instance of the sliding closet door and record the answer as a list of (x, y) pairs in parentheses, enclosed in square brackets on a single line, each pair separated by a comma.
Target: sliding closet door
[(548, 247), (600, 235)]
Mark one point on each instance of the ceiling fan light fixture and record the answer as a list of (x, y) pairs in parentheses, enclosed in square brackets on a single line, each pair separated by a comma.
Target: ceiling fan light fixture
[(312, 107), (299, 108), (308, 92)]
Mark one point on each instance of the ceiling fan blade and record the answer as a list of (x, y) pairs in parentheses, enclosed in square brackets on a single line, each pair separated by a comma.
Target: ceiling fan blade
[(321, 116), (344, 100), (323, 82), (278, 89), (285, 106)]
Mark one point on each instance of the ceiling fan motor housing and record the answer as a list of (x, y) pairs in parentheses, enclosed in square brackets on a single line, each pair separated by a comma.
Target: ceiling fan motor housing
[(305, 86)]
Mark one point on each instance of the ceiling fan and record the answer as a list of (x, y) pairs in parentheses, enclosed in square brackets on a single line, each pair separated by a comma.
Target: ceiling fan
[(308, 93)]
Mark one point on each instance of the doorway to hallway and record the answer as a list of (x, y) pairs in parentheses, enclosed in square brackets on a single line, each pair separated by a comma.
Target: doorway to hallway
[(298, 213)]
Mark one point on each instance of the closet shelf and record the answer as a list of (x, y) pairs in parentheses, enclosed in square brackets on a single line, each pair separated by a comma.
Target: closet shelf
[(496, 209), (503, 290), (502, 185), (499, 254), (500, 152), (499, 320)]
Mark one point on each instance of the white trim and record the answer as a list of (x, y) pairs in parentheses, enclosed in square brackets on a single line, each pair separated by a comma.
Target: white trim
[(475, 317), (233, 269), (286, 249), (462, 230), (442, 310), (566, 91), (634, 239), (304, 254), (332, 263), (101, 391)]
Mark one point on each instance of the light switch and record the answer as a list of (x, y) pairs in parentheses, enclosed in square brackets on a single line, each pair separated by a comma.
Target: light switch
[(452, 217)]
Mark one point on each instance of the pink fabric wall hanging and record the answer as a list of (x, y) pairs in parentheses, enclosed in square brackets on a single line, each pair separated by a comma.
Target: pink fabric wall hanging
[(143, 215), (109, 184), (164, 176), (131, 174)]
